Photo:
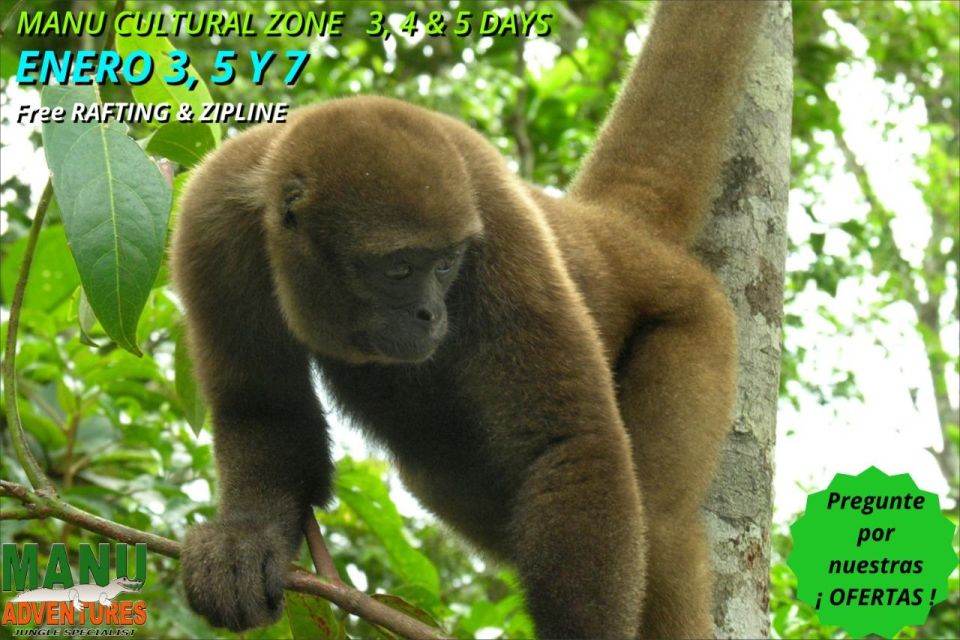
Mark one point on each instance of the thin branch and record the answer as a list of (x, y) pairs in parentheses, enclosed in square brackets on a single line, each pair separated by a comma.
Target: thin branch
[(73, 428), (300, 580), (57, 508), (946, 459), (35, 474), (524, 146), (19, 513), (362, 605), (567, 15), (319, 552)]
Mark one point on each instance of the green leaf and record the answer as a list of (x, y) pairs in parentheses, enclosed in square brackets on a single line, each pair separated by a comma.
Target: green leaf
[(179, 184), (145, 461), (559, 77), (406, 608), (8, 63), (816, 242), (123, 370), (482, 614), (43, 429), (115, 207), (854, 227), (86, 318), (98, 434), (190, 400), (953, 434), (53, 275), (311, 617), (67, 398), (155, 90), (365, 493), (185, 143), (279, 630)]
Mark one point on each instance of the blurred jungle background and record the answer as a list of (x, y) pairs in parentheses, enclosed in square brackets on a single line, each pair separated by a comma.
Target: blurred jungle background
[(871, 313)]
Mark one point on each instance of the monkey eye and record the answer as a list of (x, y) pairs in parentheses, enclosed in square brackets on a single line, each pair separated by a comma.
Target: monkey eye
[(399, 271), (446, 264)]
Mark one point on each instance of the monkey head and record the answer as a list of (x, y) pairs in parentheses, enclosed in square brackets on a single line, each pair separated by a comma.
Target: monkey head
[(368, 214)]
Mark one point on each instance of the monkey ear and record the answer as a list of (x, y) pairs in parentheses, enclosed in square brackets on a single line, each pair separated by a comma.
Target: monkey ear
[(292, 191)]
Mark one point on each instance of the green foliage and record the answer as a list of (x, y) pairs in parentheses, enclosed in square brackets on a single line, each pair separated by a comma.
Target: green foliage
[(191, 402), (365, 494), (115, 206), (54, 280), (790, 617), (914, 46), (184, 143), (159, 91)]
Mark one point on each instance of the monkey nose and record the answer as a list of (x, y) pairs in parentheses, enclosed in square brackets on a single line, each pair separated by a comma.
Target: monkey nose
[(426, 315), (431, 319)]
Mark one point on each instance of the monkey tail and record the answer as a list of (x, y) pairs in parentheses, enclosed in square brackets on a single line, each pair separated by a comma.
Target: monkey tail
[(657, 155)]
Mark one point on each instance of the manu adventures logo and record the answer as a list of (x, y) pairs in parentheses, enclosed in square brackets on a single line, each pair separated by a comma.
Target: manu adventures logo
[(59, 601)]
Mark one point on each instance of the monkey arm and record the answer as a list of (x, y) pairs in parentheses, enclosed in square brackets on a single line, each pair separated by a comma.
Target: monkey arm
[(574, 527), (273, 462), (657, 156), (272, 454), (269, 432), (577, 538), (553, 432)]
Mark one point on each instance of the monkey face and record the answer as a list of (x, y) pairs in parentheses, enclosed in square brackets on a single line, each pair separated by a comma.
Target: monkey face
[(365, 307), (364, 248), (404, 318), (347, 302)]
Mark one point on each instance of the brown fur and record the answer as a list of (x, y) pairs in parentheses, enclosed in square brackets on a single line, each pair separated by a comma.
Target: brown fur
[(589, 360)]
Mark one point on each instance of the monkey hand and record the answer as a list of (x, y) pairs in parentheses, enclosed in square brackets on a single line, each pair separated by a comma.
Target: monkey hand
[(233, 572)]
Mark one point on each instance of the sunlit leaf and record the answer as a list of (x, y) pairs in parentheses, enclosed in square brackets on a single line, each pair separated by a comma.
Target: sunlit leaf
[(366, 494), (115, 207), (86, 318), (156, 90), (186, 143), (310, 617), (190, 399)]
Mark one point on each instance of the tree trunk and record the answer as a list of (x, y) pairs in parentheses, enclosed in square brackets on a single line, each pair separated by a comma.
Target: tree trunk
[(745, 246)]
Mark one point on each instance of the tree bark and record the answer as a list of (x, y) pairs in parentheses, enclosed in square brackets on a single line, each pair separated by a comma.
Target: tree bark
[(745, 246)]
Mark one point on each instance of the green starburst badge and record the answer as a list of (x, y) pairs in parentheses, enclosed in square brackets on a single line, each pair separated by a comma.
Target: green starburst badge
[(872, 553)]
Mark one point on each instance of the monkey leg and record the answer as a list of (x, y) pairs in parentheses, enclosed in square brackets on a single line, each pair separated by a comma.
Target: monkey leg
[(676, 390)]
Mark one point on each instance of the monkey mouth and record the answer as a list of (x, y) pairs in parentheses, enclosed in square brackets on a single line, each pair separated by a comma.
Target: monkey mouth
[(386, 349)]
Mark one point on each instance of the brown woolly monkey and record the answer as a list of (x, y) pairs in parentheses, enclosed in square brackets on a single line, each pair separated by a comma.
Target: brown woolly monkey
[(553, 377)]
